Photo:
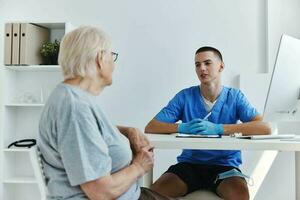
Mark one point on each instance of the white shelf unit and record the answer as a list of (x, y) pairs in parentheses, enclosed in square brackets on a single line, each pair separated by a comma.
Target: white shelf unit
[(16, 150), (21, 180), (34, 68), (23, 93), (24, 105), (18, 168)]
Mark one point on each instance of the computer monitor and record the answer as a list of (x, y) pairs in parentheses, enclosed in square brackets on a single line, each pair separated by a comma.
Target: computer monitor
[(283, 98)]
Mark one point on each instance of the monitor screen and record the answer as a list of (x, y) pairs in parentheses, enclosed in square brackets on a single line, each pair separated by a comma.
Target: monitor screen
[(284, 90)]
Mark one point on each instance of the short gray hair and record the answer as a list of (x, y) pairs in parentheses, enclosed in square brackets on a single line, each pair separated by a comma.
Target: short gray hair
[(79, 49)]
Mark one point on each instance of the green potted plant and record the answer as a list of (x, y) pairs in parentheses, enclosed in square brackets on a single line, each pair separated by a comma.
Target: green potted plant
[(49, 52)]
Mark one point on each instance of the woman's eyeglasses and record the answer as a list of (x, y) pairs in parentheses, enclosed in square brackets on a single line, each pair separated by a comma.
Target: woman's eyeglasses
[(114, 56)]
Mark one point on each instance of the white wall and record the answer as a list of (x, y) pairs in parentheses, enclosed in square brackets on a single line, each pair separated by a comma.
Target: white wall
[(283, 18), (281, 174), (156, 41)]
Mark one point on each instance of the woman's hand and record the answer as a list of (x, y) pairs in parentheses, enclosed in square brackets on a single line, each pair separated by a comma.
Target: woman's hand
[(144, 159)]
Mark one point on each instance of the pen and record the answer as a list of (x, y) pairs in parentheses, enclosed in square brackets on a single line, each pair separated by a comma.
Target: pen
[(207, 116)]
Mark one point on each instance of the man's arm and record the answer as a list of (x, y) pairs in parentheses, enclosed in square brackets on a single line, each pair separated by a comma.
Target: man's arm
[(246, 111), (164, 121), (255, 127), (155, 126)]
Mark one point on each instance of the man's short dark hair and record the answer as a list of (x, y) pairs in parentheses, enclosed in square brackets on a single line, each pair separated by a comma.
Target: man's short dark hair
[(212, 49)]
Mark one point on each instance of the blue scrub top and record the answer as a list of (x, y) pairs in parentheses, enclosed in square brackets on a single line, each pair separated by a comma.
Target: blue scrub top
[(231, 106)]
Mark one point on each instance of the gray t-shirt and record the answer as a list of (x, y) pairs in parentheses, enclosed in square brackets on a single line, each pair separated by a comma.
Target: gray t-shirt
[(78, 144)]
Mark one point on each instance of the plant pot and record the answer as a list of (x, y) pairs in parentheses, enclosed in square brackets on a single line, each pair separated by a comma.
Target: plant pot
[(51, 60)]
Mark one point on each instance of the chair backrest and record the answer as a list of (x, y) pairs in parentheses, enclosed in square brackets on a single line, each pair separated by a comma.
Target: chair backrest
[(35, 157)]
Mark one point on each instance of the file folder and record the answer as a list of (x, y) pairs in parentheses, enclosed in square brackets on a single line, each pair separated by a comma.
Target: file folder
[(16, 44), (31, 40), (8, 44)]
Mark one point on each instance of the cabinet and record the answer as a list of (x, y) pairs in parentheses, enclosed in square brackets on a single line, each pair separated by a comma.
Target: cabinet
[(23, 92)]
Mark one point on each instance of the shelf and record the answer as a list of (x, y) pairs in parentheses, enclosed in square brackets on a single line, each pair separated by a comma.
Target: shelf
[(52, 25), (17, 150), (34, 68), (25, 89), (24, 105), (20, 180)]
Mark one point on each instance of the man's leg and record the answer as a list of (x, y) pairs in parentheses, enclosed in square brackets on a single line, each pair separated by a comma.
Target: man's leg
[(148, 194), (170, 185), (233, 188)]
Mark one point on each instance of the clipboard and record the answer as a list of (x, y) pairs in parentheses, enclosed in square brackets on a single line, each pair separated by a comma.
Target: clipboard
[(183, 135)]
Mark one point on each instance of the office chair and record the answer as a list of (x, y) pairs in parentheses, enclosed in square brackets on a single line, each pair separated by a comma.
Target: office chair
[(36, 161), (201, 194)]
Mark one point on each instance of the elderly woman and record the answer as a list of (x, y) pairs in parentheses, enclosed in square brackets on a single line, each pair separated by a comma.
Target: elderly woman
[(84, 155)]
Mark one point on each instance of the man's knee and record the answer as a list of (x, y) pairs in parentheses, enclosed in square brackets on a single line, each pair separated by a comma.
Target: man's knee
[(155, 186), (241, 194), (169, 185), (234, 188)]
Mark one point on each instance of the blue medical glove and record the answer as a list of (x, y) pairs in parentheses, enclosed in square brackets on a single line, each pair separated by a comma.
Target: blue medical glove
[(189, 127), (208, 128)]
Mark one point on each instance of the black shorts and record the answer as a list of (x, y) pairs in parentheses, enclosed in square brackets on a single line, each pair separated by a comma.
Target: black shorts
[(199, 176)]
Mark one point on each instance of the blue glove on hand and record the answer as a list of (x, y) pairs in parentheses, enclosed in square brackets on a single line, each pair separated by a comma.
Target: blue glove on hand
[(209, 128), (199, 126), (189, 127)]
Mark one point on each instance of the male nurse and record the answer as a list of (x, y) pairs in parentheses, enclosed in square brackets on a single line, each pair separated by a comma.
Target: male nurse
[(208, 108)]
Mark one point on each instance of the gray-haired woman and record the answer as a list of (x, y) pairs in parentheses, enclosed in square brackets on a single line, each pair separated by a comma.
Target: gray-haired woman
[(84, 155)]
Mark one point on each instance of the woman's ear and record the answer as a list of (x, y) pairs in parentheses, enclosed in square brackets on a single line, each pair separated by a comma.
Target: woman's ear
[(99, 60)]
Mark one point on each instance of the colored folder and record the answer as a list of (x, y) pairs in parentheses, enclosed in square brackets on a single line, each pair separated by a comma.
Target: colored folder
[(8, 44), (32, 38), (16, 44)]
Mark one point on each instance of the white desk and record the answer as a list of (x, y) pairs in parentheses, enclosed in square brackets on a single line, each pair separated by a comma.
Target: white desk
[(164, 141)]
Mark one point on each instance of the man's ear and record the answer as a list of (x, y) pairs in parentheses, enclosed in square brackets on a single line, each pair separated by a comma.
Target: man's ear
[(222, 66)]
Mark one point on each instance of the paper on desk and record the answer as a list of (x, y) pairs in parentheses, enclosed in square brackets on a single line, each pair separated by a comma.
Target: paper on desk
[(183, 135)]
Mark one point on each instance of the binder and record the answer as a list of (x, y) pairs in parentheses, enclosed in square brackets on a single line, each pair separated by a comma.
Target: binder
[(31, 40), (8, 44), (16, 44)]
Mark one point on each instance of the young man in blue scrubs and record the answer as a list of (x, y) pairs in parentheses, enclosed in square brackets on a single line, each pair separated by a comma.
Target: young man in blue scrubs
[(215, 170)]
